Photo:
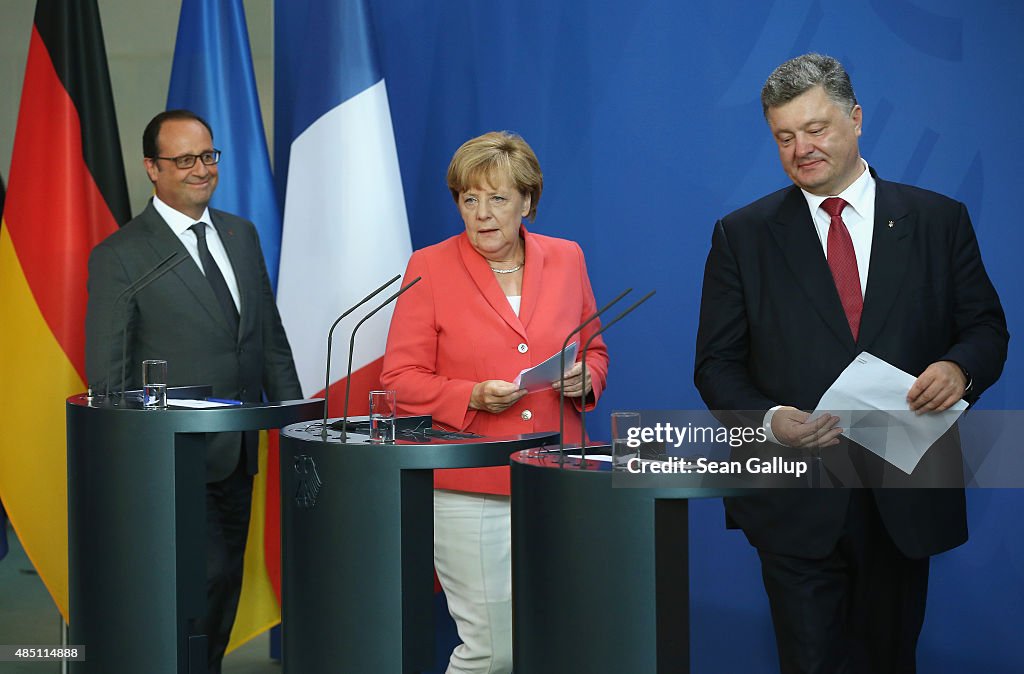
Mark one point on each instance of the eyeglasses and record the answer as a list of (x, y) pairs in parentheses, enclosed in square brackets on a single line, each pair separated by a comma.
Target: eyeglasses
[(187, 161)]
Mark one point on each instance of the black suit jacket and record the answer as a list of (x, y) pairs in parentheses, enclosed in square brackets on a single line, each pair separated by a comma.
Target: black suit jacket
[(177, 318), (773, 332)]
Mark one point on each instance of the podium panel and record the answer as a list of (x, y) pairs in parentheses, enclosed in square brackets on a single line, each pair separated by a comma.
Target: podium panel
[(137, 528), (357, 544), (600, 575)]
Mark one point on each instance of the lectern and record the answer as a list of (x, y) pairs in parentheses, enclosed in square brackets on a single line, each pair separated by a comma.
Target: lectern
[(357, 543), (137, 528), (600, 574)]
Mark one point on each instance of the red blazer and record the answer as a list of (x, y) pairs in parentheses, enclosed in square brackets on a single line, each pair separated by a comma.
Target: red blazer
[(456, 328)]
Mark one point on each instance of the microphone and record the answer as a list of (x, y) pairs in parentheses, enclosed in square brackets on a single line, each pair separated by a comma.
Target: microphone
[(583, 360), (351, 344), (161, 268), (330, 337), (561, 377)]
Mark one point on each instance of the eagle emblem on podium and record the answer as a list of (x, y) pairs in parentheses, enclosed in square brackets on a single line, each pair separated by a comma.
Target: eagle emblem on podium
[(309, 481)]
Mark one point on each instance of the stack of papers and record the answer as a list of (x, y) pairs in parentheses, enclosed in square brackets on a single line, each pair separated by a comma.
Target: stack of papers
[(195, 404)]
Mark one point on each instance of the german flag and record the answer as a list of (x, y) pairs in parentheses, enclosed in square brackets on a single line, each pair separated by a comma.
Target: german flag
[(3, 513), (66, 192)]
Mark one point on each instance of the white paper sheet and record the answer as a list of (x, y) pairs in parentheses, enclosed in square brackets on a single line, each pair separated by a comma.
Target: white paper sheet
[(870, 399), (607, 458), (539, 377), (195, 404)]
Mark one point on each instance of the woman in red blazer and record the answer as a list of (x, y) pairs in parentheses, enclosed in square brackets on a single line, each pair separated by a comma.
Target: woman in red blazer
[(493, 301)]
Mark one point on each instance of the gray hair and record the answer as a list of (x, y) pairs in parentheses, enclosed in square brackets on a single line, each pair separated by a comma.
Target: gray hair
[(800, 74)]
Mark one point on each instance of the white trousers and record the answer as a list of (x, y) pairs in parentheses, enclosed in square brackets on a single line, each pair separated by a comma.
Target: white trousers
[(473, 558)]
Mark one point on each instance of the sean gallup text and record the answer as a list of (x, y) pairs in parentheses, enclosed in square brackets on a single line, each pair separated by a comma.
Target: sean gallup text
[(703, 466)]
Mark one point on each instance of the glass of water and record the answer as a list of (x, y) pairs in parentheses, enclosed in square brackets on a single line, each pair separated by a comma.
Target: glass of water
[(382, 416), (625, 438), (154, 384)]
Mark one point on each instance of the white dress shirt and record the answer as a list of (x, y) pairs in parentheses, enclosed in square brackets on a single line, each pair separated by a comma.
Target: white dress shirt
[(859, 216), (181, 225)]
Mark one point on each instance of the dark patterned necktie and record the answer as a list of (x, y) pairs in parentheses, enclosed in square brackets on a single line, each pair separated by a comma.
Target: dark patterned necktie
[(215, 278), (842, 260)]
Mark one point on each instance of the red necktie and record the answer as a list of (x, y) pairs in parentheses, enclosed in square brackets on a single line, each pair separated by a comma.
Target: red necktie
[(842, 260)]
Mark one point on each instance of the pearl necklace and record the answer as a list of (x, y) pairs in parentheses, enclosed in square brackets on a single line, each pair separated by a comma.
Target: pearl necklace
[(508, 271)]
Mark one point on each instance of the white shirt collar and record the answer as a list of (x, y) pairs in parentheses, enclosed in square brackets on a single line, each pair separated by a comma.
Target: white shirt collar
[(176, 220), (857, 195)]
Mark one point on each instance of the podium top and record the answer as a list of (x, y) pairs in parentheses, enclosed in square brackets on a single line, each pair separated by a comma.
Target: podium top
[(645, 485), (414, 451), (246, 416)]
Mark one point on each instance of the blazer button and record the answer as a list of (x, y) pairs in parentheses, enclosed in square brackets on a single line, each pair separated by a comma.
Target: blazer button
[(526, 415), (523, 348)]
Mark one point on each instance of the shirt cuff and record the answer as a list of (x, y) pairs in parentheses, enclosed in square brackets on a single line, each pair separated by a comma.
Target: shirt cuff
[(768, 424)]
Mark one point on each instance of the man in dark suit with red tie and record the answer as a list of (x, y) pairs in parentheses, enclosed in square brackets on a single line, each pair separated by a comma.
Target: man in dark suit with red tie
[(796, 285)]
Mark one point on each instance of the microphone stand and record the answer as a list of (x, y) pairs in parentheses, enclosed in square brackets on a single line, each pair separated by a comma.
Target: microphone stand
[(561, 378), (161, 268), (330, 336), (583, 360), (351, 345)]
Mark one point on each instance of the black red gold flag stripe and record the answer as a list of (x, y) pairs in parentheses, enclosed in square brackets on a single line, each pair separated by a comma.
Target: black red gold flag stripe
[(66, 192)]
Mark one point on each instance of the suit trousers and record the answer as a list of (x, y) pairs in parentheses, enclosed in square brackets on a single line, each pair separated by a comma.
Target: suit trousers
[(857, 611), (228, 504), (473, 559)]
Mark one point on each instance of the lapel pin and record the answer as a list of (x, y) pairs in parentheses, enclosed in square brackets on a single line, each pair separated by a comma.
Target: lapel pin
[(891, 224)]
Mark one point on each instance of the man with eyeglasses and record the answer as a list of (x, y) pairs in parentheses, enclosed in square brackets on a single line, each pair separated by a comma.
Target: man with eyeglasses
[(211, 317)]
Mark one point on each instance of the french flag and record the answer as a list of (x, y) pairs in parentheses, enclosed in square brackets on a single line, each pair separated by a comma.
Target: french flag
[(345, 228)]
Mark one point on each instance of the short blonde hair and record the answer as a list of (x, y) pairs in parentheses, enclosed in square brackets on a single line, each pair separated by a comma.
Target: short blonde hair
[(497, 153)]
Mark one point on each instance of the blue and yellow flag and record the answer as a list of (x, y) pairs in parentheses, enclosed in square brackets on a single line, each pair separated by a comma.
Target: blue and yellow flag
[(212, 75)]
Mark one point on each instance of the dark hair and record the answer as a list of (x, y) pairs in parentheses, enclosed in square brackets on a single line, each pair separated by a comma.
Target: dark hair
[(149, 136), (800, 74)]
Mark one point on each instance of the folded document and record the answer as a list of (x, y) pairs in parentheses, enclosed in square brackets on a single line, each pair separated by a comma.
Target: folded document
[(870, 399), (540, 377)]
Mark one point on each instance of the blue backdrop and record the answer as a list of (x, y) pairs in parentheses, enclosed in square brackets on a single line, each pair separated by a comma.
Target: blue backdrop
[(646, 120)]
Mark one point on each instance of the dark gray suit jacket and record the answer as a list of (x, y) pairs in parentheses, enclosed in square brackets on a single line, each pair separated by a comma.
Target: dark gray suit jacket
[(773, 332), (176, 318)]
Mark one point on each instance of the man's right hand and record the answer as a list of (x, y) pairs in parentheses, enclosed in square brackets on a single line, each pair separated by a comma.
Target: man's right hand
[(795, 428), (495, 396)]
